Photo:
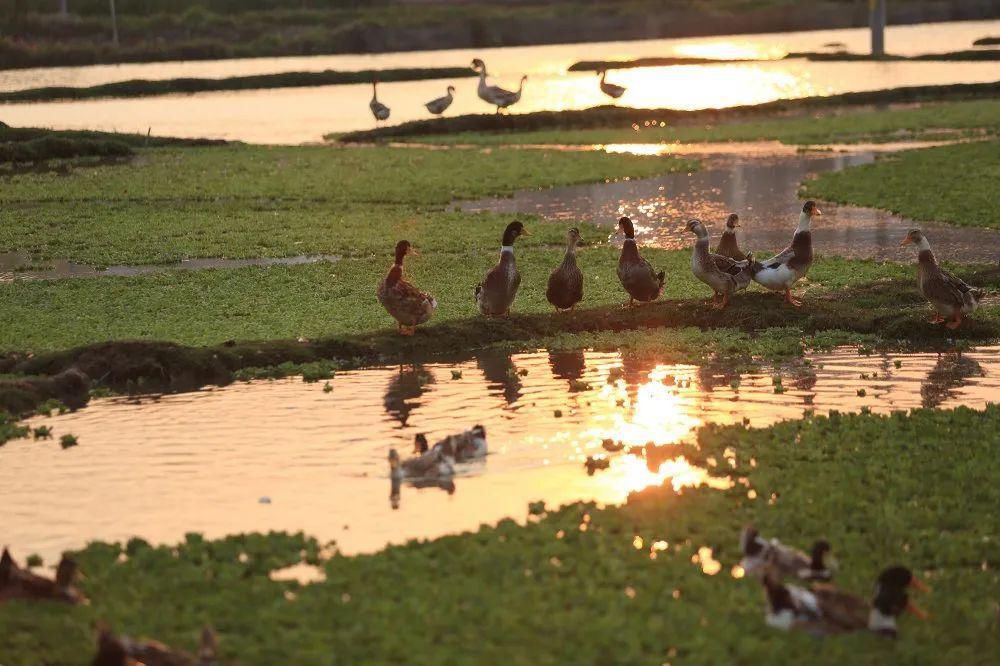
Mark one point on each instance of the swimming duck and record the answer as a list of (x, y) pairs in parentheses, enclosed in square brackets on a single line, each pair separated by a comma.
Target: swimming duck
[(760, 554), (783, 270), (825, 610), (123, 651), (950, 296), (440, 105), (18, 583), (728, 244), (465, 446), (408, 305), (496, 95), (565, 287), (379, 110), (724, 275), (637, 275), (610, 89), (433, 464), (495, 294)]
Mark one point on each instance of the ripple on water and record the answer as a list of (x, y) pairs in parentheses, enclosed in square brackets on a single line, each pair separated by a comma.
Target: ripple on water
[(200, 461)]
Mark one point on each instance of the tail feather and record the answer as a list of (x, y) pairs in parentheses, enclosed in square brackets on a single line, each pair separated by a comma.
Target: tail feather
[(660, 277)]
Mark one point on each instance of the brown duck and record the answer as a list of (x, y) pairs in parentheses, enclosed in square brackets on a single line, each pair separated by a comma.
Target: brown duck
[(495, 294), (565, 287), (18, 583), (637, 275), (950, 296), (408, 305), (115, 650), (728, 245)]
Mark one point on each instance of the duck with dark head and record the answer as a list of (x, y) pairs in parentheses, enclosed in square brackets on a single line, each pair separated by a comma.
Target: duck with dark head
[(565, 287), (729, 245), (951, 298), (495, 294), (637, 275), (408, 305)]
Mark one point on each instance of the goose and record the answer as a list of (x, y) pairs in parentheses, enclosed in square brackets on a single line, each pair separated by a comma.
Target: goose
[(565, 287), (724, 275), (760, 554), (949, 295), (115, 650), (783, 270), (18, 583), (728, 244), (441, 104), (408, 305), (637, 275), (495, 294), (610, 89), (825, 610), (379, 110), (496, 95)]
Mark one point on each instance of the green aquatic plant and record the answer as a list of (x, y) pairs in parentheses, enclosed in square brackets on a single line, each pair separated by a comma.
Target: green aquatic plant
[(42, 432), (898, 364), (327, 387), (862, 393), (10, 429), (578, 385), (68, 441), (33, 560), (49, 406), (456, 374)]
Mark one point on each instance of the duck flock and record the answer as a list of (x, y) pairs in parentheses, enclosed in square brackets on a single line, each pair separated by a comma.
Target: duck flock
[(726, 271)]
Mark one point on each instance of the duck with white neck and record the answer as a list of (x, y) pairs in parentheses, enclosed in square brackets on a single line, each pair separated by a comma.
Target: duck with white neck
[(495, 294), (789, 266), (724, 275)]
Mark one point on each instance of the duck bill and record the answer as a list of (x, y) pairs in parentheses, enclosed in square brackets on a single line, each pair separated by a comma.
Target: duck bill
[(916, 611), (918, 584), (413, 251), (524, 232), (905, 241), (817, 212)]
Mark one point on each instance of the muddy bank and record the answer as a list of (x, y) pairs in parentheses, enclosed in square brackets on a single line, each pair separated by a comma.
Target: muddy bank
[(891, 309), (613, 116)]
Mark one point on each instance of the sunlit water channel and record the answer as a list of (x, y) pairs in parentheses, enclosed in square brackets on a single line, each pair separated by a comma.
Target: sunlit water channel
[(289, 455), (299, 115)]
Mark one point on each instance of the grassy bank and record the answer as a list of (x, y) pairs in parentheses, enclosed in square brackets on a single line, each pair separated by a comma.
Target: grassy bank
[(21, 145), (918, 488), (625, 119), (146, 88), (954, 184)]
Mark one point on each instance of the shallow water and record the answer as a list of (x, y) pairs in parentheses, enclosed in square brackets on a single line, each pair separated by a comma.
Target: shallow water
[(287, 455), (299, 115), (763, 188)]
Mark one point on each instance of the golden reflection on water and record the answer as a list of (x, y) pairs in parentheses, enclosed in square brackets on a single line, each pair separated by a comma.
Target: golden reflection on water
[(731, 49)]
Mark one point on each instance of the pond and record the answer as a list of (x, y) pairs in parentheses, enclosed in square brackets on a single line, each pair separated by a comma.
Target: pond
[(288, 455), (298, 115)]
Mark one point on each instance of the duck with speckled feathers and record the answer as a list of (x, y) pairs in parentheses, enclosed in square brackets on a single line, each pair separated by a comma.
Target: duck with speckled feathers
[(951, 298), (496, 293), (724, 275), (789, 266), (760, 554), (637, 275), (565, 287), (408, 305), (18, 583)]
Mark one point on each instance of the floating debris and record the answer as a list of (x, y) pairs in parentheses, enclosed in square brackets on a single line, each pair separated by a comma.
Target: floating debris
[(68, 441), (456, 374), (42, 432), (577, 385), (593, 464), (611, 445)]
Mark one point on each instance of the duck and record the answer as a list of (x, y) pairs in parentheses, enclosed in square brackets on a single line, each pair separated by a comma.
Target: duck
[(379, 110), (441, 104), (565, 288), (465, 446), (728, 244), (115, 650), (495, 294), (759, 554), (826, 610), (434, 464), (610, 89), (724, 275), (637, 275), (408, 305), (496, 95), (951, 298), (783, 270), (18, 583)]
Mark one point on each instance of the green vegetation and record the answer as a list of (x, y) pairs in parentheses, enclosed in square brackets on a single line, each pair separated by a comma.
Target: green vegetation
[(10, 429), (953, 56), (986, 41), (54, 147), (607, 593), (625, 118), (955, 184), (932, 121), (145, 88)]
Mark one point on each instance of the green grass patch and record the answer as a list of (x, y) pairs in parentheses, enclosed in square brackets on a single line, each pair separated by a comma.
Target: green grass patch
[(955, 184), (919, 489)]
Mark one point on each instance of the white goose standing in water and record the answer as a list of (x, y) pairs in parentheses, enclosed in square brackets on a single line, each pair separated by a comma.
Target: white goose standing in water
[(496, 95), (612, 90), (379, 110)]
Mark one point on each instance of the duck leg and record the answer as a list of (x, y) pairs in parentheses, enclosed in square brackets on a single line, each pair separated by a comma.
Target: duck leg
[(407, 330), (791, 300), (725, 301), (956, 322), (937, 319)]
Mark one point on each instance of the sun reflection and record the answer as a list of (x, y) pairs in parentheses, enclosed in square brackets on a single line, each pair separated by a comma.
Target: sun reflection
[(640, 149), (633, 474), (729, 50)]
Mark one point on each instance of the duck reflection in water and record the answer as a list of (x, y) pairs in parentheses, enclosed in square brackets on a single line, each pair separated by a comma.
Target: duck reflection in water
[(568, 365), (948, 375), (395, 492), (499, 371), (404, 390)]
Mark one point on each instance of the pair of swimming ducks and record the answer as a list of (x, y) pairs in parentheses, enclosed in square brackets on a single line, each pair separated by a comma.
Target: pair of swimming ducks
[(438, 461), (726, 271), (822, 609)]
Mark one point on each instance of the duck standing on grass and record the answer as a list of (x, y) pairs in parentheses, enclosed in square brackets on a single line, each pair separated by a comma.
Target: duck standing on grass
[(408, 305), (123, 651), (950, 296), (724, 275), (783, 270), (441, 104), (728, 244), (379, 110), (496, 95), (565, 288), (495, 294), (637, 275), (18, 583)]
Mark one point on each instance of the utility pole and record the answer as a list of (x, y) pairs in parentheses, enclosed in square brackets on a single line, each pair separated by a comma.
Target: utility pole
[(114, 25), (876, 20), (63, 7)]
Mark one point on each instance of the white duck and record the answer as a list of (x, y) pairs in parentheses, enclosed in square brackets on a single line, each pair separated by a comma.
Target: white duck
[(496, 95), (610, 89), (432, 464), (783, 270), (379, 110), (441, 104)]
